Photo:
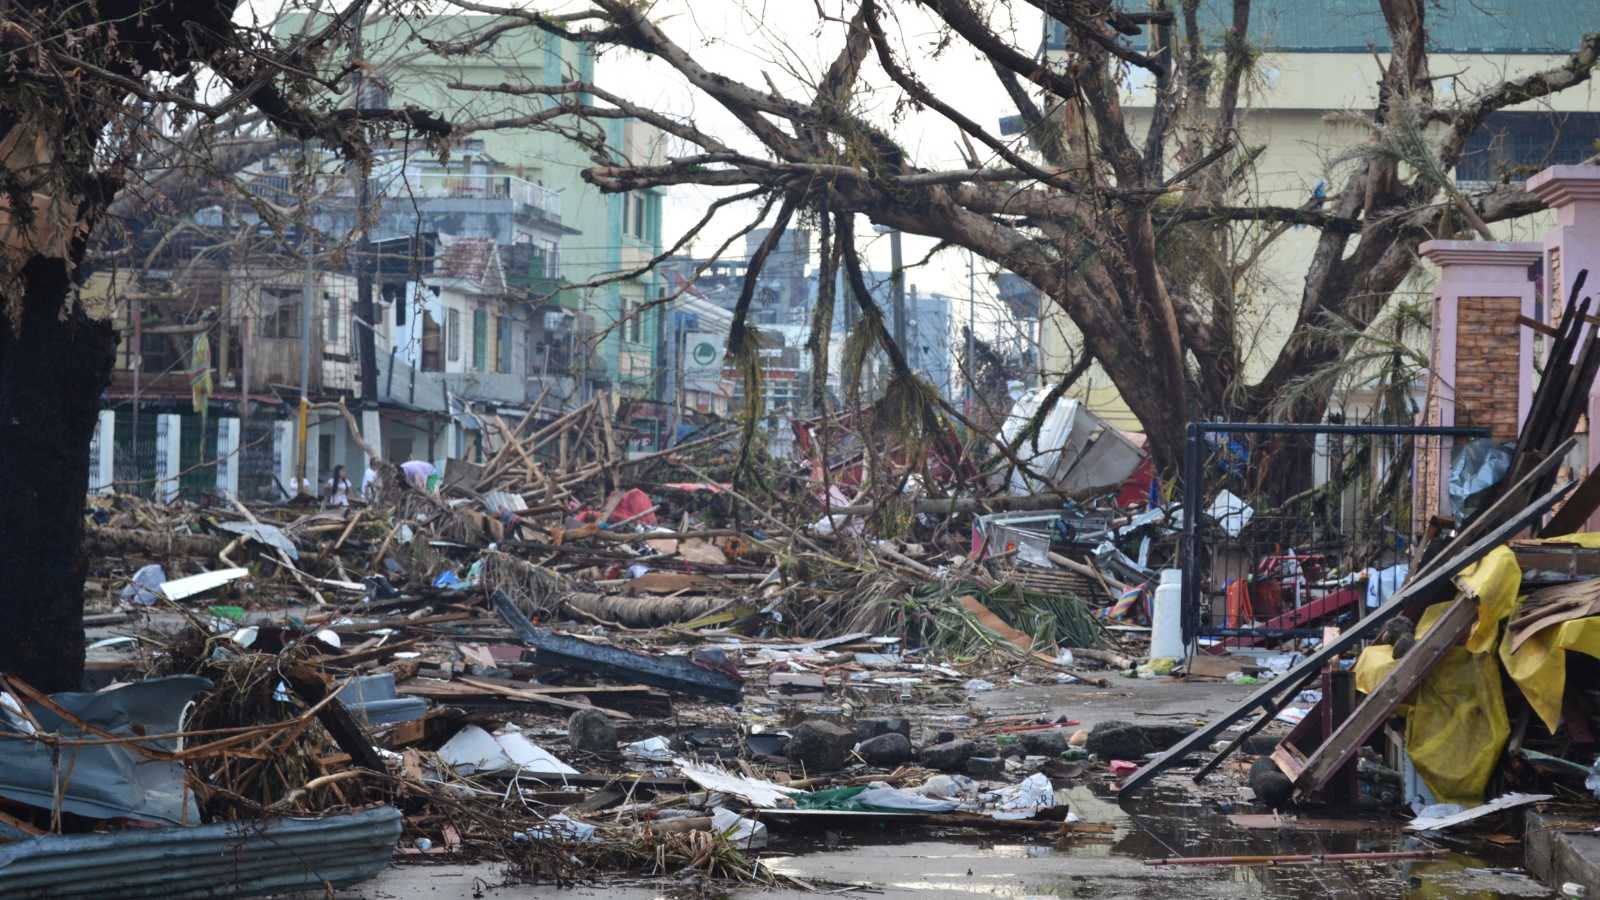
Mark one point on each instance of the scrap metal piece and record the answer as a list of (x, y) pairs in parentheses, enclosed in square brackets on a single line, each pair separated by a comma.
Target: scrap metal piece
[(225, 859), (108, 780), (674, 673)]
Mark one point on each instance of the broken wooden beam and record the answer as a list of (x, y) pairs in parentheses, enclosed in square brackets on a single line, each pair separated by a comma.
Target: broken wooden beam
[(309, 685)]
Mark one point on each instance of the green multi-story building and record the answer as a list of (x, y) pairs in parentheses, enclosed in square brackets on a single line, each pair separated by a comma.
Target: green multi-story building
[(435, 63)]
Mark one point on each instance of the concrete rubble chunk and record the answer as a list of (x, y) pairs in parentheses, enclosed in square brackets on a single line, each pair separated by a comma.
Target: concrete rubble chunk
[(1132, 740), (950, 756), (820, 745), (887, 750)]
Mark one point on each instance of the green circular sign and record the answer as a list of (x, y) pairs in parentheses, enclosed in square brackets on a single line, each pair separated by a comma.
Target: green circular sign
[(705, 353)]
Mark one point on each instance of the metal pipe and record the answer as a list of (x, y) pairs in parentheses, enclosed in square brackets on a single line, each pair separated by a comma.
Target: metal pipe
[(1193, 461)]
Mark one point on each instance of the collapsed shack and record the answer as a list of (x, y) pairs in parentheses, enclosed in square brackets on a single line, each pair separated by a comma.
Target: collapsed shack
[(563, 660)]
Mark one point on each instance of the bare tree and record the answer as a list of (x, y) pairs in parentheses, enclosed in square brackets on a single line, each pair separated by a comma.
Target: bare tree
[(90, 95), (1090, 210)]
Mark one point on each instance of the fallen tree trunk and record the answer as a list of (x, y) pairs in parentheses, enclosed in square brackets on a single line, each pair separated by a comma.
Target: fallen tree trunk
[(642, 611), (100, 541)]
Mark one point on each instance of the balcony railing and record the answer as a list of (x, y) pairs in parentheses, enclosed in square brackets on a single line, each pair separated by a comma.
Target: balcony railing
[(467, 187)]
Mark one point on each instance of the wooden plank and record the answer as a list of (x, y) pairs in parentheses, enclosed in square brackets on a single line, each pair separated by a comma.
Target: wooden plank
[(1538, 326), (1289, 760), (539, 697), (1342, 746), (1579, 507), (1422, 584)]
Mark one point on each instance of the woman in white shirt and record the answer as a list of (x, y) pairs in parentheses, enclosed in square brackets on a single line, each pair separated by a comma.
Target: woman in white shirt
[(338, 488)]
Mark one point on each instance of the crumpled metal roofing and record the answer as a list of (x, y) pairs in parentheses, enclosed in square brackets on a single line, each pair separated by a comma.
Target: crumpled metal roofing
[(228, 859)]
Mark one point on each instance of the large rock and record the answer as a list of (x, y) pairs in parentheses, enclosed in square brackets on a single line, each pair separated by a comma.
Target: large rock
[(1130, 740), (950, 756), (590, 731), (820, 746), (886, 750), (1044, 743), (867, 729)]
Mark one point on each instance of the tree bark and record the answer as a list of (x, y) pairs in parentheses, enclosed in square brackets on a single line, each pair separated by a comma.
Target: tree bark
[(53, 369)]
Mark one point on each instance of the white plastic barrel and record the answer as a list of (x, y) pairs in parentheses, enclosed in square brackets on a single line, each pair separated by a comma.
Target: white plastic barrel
[(1166, 635)]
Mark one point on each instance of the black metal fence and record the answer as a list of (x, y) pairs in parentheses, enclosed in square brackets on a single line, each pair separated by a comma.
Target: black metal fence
[(1295, 522)]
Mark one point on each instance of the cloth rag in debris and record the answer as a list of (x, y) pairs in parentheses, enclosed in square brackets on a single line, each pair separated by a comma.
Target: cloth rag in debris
[(746, 834), (146, 587)]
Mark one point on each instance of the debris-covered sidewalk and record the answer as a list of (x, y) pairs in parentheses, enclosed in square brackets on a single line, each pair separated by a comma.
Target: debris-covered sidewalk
[(565, 663)]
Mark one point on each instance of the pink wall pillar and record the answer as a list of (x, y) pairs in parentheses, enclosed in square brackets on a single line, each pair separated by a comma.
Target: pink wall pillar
[(1482, 358), (1569, 248)]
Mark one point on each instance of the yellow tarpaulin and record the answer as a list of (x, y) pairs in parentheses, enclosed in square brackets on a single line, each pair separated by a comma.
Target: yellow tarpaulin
[(1457, 727), (1494, 580), (1456, 724), (1539, 667)]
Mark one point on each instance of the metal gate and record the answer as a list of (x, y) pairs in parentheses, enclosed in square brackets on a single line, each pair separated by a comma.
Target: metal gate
[(1282, 521)]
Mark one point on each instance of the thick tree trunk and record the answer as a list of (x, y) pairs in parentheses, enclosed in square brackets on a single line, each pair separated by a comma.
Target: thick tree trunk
[(52, 372)]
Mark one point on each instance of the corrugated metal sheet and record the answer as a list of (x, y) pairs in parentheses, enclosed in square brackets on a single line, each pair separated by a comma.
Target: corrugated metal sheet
[(233, 859)]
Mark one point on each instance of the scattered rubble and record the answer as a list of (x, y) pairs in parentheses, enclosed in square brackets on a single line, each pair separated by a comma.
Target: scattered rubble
[(567, 661)]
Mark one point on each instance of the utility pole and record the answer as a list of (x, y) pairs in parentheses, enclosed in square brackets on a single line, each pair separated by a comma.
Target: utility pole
[(366, 315), (898, 288), (307, 249), (972, 322)]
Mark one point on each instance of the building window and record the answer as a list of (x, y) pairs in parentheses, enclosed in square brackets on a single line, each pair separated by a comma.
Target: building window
[(638, 216), (453, 334), (633, 328), (503, 343), (1518, 144), (431, 339), (552, 259), (332, 326), (281, 317), (480, 340), (627, 210)]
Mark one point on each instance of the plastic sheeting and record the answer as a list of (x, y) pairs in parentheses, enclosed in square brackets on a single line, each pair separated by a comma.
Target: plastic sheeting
[(1457, 727), (1481, 465)]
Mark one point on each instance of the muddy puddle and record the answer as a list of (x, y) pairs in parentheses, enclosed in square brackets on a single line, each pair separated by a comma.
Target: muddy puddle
[(888, 862)]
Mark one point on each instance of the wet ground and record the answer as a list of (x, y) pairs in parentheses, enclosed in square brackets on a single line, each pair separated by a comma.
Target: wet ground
[(887, 863), (1174, 818)]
